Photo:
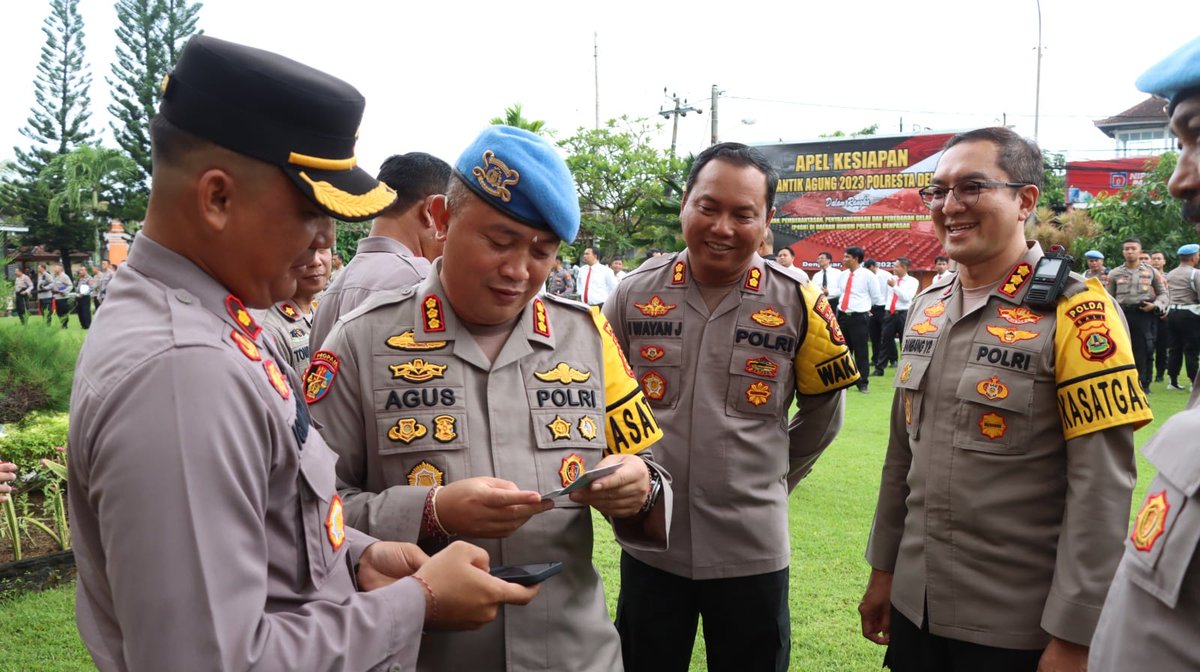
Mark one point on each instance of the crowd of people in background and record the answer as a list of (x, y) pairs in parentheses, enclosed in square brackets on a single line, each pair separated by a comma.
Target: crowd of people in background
[(52, 292)]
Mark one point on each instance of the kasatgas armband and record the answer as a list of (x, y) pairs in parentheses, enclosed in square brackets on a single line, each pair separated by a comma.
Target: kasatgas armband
[(823, 362), (631, 427), (1097, 379)]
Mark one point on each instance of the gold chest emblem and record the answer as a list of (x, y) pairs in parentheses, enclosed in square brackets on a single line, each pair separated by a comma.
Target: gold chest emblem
[(925, 327), (406, 341), (655, 307), (1150, 522), (444, 429), (572, 467), (587, 427), (563, 373), (426, 475), (559, 428), (992, 388), (407, 430), (905, 372), (1010, 335), (417, 370), (768, 317), (993, 425), (758, 393)]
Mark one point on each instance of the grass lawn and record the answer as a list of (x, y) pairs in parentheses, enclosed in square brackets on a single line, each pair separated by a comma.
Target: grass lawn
[(831, 514)]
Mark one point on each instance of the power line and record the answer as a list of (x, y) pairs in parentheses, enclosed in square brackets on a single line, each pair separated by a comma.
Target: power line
[(911, 111)]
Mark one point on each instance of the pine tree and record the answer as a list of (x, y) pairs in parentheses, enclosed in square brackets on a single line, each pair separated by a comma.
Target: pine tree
[(150, 35), (56, 125)]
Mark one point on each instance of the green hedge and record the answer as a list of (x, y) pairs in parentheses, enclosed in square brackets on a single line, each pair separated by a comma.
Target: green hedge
[(37, 365), (35, 437)]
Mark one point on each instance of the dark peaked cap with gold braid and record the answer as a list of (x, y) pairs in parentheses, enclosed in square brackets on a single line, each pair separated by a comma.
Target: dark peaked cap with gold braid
[(276, 110)]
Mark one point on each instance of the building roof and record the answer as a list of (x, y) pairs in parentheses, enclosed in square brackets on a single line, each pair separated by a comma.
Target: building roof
[(1150, 113)]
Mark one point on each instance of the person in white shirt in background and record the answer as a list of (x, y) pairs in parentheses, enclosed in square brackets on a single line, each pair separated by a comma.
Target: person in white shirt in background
[(594, 280), (878, 311), (786, 258), (826, 279), (901, 288), (618, 268), (941, 268), (859, 292)]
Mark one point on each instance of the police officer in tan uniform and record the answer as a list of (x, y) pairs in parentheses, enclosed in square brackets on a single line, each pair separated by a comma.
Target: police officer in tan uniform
[(1183, 318), (401, 244), (722, 342), (207, 529), (454, 403), (1150, 618), (1141, 294), (1006, 484), (288, 322)]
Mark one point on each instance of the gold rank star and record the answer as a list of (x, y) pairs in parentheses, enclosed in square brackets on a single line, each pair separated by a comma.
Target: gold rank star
[(559, 428)]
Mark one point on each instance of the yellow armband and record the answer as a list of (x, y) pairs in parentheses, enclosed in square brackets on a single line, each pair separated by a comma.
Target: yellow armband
[(823, 362), (631, 424)]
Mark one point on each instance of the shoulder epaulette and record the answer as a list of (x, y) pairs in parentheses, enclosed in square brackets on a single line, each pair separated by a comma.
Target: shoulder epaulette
[(377, 300), (653, 263), (563, 301)]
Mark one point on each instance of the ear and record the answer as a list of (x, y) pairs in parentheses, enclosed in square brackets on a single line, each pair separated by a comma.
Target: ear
[(426, 214), (214, 198), (770, 216), (683, 202), (440, 214), (1029, 198)]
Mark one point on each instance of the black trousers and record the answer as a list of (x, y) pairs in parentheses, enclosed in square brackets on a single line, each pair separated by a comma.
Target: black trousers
[(1183, 330), (875, 330), (747, 626), (45, 308), (893, 328), (914, 649), (63, 308), (21, 307), (83, 308), (854, 327), (1160, 348), (1141, 332)]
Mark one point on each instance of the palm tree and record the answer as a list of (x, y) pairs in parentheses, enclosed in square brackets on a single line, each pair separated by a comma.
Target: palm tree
[(83, 174), (514, 117)]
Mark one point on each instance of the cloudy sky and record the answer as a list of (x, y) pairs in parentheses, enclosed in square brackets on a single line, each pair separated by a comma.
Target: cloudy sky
[(434, 73)]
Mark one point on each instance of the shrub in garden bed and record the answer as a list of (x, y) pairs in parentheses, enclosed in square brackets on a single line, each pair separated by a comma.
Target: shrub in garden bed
[(32, 439), (37, 365)]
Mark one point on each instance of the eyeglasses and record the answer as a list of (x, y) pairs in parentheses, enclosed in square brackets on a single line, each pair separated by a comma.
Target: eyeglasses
[(966, 193)]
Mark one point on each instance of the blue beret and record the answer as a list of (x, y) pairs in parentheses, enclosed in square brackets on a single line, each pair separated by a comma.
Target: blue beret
[(1190, 248), (1177, 74), (1094, 254), (522, 176)]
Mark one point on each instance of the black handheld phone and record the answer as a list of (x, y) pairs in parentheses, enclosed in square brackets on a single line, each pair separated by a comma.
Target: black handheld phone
[(527, 575)]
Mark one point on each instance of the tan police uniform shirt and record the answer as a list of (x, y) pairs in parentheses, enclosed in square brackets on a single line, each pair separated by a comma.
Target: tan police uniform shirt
[(288, 328), (1009, 470), (204, 512), (721, 384), (408, 400), (1183, 288), (1131, 287), (380, 263), (1152, 613)]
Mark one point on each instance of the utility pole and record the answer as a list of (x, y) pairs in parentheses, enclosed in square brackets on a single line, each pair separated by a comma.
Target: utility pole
[(596, 70), (681, 109), (715, 95), (1037, 96)]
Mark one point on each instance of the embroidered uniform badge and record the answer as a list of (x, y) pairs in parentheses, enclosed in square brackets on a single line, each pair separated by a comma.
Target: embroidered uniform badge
[(1016, 279), (652, 353), (335, 524), (426, 475), (768, 317), (247, 346), (559, 428), (432, 313), (993, 425), (679, 273), (936, 310), (908, 397), (992, 388), (320, 374), (762, 366), (1150, 522), (443, 429), (1010, 335), (655, 307), (1019, 315), (242, 317), (753, 279), (496, 177), (563, 373), (925, 327), (905, 372), (587, 427), (406, 341), (277, 380), (825, 311), (758, 393), (1095, 343), (572, 467), (417, 370), (288, 310), (654, 385), (541, 323), (407, 430)]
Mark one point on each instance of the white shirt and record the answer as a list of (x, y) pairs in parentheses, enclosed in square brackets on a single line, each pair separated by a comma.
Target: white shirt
[(903, 291), (881, 280), (937, 277), (595, 283), (830, 280), (864, 291)]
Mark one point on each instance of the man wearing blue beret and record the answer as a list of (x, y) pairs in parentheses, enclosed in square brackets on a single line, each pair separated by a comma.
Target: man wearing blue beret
[(1149, 619), (1095, 265), (455, 402)]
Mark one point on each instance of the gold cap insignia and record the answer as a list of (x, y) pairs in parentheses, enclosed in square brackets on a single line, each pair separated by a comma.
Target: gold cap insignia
[(587, 428), (758, 393), (572, 467), (406, 341), (1009, 335), (335, 523), (417, 370), (426, 475), (993, 425), (1150, 521), (992, 388), (768, 317), (495, 176), (559, 428), (407, 430), (563, 373), (443, 429), (655, 307), (654, 385)]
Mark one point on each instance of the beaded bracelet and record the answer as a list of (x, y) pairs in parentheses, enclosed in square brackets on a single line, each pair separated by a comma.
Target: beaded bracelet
[(431, 526), (431, 612)]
